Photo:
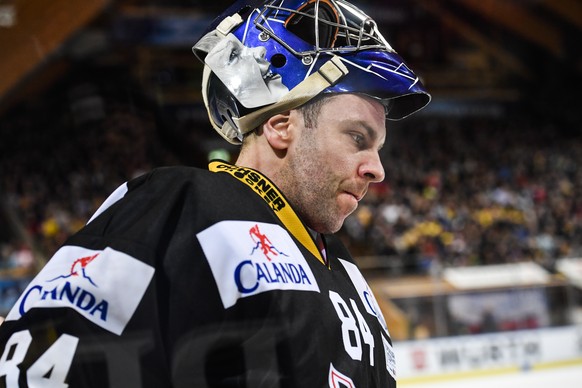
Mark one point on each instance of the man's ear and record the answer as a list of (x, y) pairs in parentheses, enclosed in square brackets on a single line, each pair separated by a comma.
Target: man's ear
[(279, 131)]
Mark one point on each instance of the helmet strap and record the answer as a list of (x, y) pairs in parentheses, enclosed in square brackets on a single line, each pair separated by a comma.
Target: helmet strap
[(327, 75), (233, 131), (228, 24)]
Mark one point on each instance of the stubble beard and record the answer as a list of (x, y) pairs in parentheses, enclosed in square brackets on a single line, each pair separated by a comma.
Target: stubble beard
[(309, 185)]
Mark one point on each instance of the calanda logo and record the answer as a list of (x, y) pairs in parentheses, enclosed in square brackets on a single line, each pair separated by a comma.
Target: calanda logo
[(263, 243), (79, 294), (254, 258), (105, 286), (79, 265), (250, 273)]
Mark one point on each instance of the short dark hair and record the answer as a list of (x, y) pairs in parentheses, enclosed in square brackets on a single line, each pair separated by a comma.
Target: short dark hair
[(311, 109), (310, 112)]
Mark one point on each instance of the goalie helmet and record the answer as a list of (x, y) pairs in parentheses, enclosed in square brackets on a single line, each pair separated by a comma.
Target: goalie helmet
[(266, 57)]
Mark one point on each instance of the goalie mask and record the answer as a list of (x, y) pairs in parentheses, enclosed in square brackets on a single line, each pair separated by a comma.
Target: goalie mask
[(265, 57)]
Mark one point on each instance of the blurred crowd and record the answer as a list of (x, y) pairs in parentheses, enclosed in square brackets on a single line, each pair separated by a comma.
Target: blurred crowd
[(457, 192), (462, 192), (62, 156)]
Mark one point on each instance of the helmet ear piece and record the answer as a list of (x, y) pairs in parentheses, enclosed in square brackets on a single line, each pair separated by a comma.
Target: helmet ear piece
[(224, 109)]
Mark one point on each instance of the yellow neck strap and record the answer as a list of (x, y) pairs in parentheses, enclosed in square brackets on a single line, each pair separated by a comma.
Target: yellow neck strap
[(265, 189)]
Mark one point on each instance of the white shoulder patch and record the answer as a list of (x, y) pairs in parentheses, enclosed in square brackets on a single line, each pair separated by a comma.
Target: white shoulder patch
[(248, 258), (103, 286), (113, 197)]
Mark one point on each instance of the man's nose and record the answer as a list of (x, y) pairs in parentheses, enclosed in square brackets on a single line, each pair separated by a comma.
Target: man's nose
[(259, 52), (372, 168)]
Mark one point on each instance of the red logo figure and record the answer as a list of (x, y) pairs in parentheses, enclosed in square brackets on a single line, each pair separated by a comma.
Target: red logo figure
[(82, 264), (263, 242)]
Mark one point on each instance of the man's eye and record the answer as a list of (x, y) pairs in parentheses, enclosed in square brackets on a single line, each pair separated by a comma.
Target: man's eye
[(233, 56), (359, 139)]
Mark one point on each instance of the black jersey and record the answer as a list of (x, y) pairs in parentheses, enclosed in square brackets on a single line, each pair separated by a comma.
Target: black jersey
[(194, 278)]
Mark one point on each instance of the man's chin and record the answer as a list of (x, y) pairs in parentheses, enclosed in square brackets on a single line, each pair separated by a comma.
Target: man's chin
[(334, 226)]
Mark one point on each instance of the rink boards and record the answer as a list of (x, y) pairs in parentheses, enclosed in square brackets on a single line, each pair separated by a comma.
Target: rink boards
[(488, 354)]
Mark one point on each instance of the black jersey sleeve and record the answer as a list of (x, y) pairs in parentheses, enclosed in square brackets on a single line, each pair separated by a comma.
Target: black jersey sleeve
[(96, 314)]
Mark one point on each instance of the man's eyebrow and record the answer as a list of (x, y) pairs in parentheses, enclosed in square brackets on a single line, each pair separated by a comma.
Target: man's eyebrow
[(372, 134)]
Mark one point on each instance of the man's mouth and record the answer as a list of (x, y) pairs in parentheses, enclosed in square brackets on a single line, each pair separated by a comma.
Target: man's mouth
[(356, 196), (269, 75)]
